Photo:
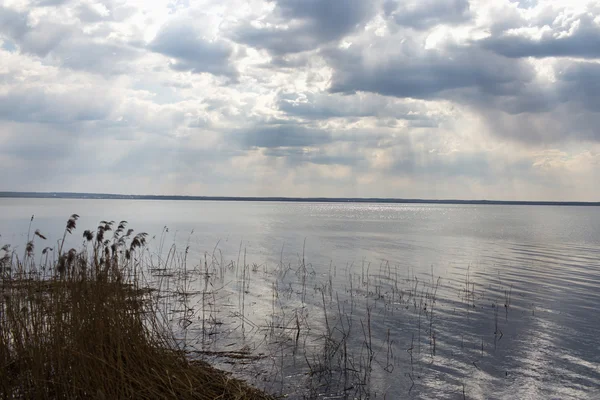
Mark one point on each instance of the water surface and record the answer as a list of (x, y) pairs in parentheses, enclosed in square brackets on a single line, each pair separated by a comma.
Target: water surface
[(514, 291)]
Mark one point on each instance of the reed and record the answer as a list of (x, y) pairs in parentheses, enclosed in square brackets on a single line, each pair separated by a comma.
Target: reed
[(83, 326)]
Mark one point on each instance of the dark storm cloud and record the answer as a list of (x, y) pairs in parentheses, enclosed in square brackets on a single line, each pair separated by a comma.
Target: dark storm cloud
[(424, 74), (424, 14), (583, 41), (484, 75), (574, 95), (311, 23), (567, 108), (580, 82), (508, 93), (183, 42)]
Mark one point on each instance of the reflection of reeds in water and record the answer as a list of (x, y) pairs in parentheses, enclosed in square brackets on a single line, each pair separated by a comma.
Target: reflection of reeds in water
[(291, 330)]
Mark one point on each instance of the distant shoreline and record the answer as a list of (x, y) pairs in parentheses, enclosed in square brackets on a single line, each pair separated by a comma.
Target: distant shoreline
[(102, 196)]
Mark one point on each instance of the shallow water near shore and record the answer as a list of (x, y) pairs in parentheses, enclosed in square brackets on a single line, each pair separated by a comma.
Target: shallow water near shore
[(368, 300)]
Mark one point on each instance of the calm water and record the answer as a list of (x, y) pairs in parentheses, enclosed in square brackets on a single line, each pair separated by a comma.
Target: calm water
[(514, 290)]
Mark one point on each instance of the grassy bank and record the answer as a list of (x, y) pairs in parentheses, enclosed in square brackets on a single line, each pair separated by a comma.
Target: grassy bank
[(81, 324)]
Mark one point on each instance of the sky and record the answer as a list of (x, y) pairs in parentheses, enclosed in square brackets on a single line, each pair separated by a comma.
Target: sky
[(462, 99)]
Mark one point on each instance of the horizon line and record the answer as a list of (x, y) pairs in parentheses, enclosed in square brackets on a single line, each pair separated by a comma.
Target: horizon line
[(114, 196)]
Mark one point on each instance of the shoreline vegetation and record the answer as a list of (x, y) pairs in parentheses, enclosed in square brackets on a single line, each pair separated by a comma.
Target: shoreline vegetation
[(107, 196), (85, 324)]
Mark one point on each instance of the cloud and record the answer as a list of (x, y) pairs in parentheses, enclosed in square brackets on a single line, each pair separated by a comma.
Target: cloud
[(300, 25), (51, 107), (544, 112), (472, 165), (12, 22), (519, 99), (410, 71), (446, 98), (579, 83), (525, 3), (65, 43), (298, 156), (182, 41), (568, 36), (321, 106), (285, 135), (424, 14), (93, 12), (39, 38), (50, 3)]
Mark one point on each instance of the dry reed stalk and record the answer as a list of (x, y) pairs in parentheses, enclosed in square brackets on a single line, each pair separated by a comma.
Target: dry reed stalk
[(92, 331)]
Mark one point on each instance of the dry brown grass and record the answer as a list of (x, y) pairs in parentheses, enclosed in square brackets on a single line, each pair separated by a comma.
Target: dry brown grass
[(83, 327)]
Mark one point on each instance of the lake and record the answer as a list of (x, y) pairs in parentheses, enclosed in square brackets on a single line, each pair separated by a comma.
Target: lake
[(348, 300)]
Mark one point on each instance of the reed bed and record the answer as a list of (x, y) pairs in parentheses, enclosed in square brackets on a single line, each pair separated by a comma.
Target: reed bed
[(82, 323)]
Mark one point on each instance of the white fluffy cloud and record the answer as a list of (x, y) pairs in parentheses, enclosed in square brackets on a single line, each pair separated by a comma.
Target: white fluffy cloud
[(386, 98)]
